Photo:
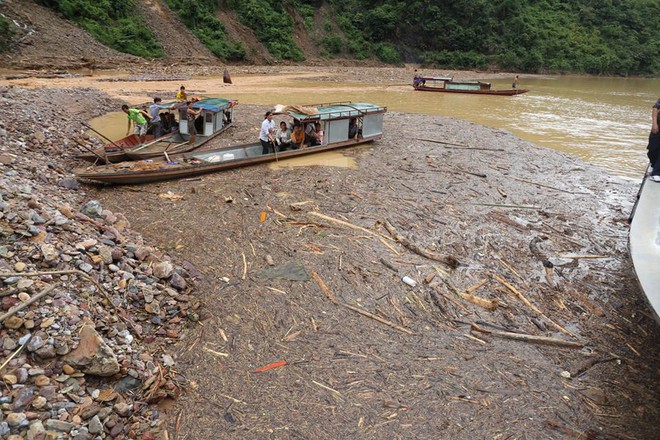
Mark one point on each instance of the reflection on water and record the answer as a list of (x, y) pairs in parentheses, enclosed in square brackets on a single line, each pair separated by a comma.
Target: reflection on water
[(111, 125), (605, 121)]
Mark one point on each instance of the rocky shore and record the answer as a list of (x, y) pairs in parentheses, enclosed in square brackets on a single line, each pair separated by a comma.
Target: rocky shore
[(89, 310)]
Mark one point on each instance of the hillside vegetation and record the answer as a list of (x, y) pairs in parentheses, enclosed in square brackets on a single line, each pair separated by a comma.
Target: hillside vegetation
[(582, 36)]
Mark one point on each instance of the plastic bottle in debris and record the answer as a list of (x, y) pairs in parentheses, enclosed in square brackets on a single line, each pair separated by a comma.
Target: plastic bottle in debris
[(409, 281)]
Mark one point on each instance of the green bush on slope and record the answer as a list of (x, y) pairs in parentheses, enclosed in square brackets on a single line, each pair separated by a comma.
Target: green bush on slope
[(112, 22)]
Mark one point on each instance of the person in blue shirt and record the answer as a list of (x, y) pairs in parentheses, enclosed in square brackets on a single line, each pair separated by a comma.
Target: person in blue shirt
[(154, 112)]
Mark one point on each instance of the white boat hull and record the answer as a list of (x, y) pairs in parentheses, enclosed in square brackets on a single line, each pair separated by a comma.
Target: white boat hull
[(644, 242)]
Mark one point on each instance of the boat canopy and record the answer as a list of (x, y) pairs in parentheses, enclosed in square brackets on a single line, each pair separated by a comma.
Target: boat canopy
[(211, 104), (339, 110), (215, 104), (434, 78)]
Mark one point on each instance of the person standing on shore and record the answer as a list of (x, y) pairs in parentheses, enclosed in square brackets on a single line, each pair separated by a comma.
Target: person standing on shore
[(139, 118), (654, 143), (266, 133)]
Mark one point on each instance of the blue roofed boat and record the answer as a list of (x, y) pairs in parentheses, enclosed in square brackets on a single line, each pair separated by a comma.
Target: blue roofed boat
[(217, 114), (344, 124)]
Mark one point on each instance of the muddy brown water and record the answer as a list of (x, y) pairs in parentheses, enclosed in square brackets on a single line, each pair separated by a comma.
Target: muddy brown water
[(604, 121)]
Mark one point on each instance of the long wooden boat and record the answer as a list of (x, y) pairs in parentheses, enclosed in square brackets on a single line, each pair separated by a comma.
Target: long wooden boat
[(446, 84), (644, 241), (334, 118), (217, 114)]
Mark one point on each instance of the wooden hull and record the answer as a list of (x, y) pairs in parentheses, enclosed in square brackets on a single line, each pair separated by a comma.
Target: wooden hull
[(112, 153), (170, 143), (510, 92), (163, 171), (644, 242)]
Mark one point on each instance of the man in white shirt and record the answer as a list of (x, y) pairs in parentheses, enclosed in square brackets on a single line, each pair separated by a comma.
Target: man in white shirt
[(154, 112)]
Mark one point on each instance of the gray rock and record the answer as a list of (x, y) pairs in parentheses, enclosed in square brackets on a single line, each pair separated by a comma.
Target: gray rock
[(86, 267), (68, 183), (92, 209), (35, 430), (178, 282), (105, 412), (95, 426), (58, 425), (117, 429), (46, 352), (49, 252), (9, 344), (163, 270), (82, 434), (36, 343), (23, 398), (21, 375)]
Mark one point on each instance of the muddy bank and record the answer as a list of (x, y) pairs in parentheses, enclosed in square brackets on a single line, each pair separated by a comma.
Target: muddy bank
[(541, 242), (367, 356)]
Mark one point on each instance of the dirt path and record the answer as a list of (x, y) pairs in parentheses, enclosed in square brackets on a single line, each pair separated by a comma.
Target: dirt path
[(549, 226)]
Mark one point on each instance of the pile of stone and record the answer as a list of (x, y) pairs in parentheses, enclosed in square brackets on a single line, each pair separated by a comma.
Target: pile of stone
[(88, 309)]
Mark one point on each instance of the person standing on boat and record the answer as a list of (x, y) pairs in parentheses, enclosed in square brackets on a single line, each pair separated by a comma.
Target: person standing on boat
[(266, 133), (654, 143), (191, 115), (516, 82), (156, 123), (139, 118)]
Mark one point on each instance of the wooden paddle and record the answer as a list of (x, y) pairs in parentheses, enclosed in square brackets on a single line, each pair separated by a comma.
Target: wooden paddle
[(105, 159), (104, 137)]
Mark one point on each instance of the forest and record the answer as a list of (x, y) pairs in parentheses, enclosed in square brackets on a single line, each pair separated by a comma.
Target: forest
[(601, 37)]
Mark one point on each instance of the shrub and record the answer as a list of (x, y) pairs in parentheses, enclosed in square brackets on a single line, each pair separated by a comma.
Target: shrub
[(6, 33), (333, 44), (199, 16), (112, 22), (387, 53)]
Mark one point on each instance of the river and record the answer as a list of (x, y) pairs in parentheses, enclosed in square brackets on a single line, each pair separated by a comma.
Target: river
[(604, 121)]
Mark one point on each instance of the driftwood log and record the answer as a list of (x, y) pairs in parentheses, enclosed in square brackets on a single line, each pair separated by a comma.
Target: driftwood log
[(449, 260)]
